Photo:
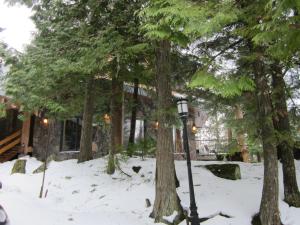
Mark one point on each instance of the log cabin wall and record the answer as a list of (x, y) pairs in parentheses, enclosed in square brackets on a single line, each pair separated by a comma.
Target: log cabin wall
[(10, 123)]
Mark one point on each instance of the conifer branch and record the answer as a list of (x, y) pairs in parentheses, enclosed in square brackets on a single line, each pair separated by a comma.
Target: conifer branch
[(225, 49)]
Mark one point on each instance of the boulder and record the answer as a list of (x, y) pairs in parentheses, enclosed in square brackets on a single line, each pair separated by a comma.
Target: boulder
[(226, 171), (40, 169), (19, 166)]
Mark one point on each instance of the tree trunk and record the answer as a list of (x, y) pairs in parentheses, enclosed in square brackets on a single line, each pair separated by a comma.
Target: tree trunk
[(269, 212), (166, 198), (116, 107), (145, 138), (229, 136), (217, 133), (241, 136), (86, 139), (179, 148), (285, 141), (258, 157), (133, 116)]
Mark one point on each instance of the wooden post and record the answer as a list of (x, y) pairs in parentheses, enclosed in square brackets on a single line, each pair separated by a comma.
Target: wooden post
[(26, 134)]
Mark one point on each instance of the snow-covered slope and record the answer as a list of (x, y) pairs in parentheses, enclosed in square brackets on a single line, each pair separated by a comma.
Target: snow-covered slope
[(82, 194)]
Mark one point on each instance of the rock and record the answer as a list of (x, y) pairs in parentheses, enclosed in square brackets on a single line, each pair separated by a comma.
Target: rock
[(19, 166), (219, 157), (136, 169), (226, 171), (3, 217), (40, 169)]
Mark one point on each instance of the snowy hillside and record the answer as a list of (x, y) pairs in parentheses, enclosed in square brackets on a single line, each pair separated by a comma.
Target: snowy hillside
[(82, 194)]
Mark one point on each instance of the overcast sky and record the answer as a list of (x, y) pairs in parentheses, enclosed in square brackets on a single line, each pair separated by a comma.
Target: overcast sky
[(17, 24)]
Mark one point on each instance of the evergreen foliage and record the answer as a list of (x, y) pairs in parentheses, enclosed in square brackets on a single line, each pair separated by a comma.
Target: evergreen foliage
[(209, 50)]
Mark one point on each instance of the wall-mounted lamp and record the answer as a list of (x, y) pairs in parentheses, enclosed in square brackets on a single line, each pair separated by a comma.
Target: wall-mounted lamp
[(45, 121), (106, 118), (156, 125), (194, 128)]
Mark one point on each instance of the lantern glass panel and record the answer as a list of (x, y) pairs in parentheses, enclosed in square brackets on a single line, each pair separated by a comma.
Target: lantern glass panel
[(179, 107), (184, 107)]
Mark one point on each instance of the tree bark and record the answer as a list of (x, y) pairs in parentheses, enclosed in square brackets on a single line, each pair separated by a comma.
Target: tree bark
[(86, 139), (117, 115), (285, 141), (116, 107), (241, 136), (166, 198), (229, 136), (269, 212), (133, 116), (179, 147), (145, 138)]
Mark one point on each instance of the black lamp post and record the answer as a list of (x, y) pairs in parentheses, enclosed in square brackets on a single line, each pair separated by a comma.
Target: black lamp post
[(45, 123), (183, 113)]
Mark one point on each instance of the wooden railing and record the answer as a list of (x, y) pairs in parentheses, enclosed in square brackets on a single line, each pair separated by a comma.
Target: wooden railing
[(10, 141)]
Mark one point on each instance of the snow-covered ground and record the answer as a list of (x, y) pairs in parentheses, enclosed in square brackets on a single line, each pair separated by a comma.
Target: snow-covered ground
[(83, 194)]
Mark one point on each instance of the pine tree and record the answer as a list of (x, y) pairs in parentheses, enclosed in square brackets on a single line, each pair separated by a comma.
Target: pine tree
[(285, 138)]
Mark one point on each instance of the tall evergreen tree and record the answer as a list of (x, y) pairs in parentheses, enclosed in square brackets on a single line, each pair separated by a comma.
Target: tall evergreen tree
[(285, 138)]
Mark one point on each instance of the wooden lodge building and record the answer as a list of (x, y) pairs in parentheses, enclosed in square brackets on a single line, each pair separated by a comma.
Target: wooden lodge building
[(30, 135)]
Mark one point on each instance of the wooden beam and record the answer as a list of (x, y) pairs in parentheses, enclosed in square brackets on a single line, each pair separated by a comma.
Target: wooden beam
[(25, 134), (10, 145), (11, 137)]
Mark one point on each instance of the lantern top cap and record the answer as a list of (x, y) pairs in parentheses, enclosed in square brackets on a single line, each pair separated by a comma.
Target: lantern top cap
[(182, 100)]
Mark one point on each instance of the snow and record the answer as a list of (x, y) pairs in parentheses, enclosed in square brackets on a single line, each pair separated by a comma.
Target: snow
[(84, 194)]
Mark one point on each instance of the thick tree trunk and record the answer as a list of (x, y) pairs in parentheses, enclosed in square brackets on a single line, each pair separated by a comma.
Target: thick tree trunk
[(258, 157), (229, 136), (166, 198), (179, 148), (269, 212), (117, 115), (133, 115), (285, 141), (116, 107), (145, 138), (86, 139), (241, 136)]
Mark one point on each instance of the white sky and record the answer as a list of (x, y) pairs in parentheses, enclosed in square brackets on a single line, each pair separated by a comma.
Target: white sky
[(18, 25)]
